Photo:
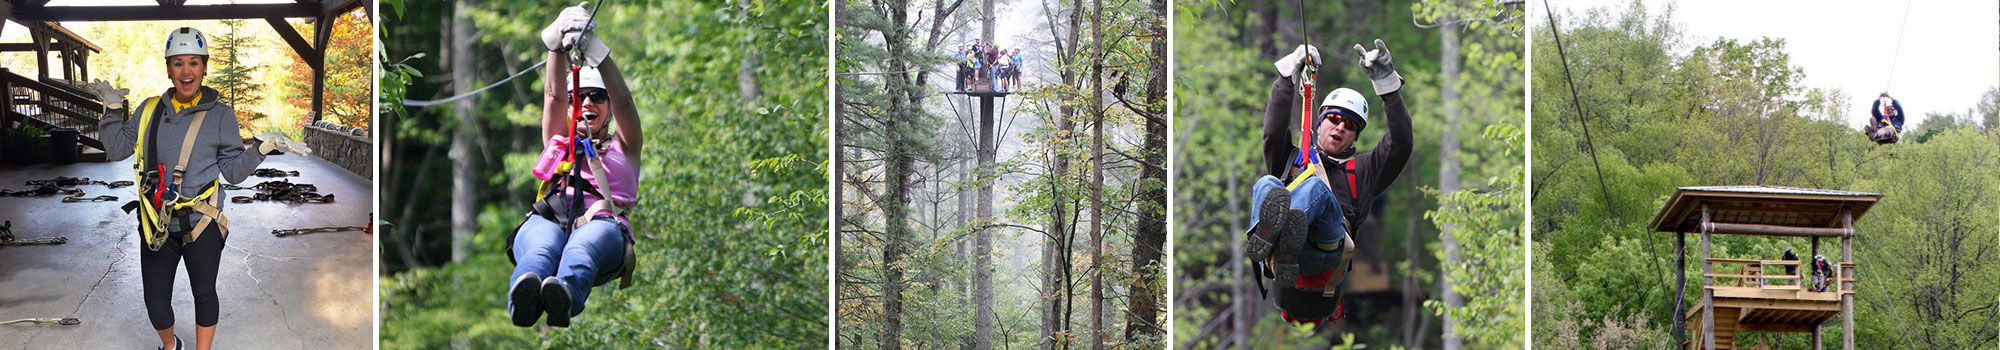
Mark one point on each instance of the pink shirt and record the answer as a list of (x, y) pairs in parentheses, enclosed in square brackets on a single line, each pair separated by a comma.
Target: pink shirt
[(622, 185)]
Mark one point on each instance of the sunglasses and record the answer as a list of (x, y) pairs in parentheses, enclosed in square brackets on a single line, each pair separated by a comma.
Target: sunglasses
[(597, 96)]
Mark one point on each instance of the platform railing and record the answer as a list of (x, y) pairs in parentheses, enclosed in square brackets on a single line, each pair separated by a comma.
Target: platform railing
[(1770, 275)]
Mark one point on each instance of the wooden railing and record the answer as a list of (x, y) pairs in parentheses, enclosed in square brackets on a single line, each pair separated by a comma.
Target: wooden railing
[(1770, 274), (53, 103)]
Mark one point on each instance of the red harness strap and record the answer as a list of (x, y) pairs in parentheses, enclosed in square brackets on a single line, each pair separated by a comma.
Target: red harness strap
[(1352, 190)]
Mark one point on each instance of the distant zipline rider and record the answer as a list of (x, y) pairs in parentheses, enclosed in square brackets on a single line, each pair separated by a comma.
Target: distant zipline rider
[(1887, 125), (1318, 190), (577, 236)]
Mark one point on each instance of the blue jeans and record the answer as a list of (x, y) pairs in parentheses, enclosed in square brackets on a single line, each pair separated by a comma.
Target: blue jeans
[(581, 259), (1327, 223)]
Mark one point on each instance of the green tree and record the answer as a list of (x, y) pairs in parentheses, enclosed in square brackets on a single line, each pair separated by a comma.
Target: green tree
[(231, 76)]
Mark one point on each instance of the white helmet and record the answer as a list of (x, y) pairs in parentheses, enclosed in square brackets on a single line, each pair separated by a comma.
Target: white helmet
[(589, 77), (1350, 100), (186, 41)]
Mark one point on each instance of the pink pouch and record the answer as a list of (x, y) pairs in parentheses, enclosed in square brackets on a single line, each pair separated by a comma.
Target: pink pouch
[(552, 156)]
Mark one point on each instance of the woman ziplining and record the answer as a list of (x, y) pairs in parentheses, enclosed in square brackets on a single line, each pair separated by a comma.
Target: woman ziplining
[(577, 236), (185, 148)]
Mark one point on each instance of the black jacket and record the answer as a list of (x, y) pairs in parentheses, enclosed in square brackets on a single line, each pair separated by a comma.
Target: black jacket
[(1358, 181)]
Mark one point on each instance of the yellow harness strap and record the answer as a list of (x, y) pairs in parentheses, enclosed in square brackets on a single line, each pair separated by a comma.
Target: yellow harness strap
[(1313, 170), (153, 222)]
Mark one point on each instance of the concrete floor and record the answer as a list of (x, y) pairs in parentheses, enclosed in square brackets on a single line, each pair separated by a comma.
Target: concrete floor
[(308, 291)]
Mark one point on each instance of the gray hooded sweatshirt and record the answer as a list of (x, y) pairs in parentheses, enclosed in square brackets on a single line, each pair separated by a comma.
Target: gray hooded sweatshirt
[(219, 149)]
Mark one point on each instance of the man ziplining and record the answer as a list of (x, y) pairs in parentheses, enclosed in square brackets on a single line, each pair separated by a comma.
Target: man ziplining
[(1317, 191), (1887, 126)]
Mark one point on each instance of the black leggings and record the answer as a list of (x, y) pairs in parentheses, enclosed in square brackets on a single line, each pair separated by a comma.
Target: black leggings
[(158, 267)]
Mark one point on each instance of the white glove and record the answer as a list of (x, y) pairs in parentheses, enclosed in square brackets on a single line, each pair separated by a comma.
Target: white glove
[(572, 19), (1376, 63), (113, 98), (1305, 55), (273, 141), (594, 50)]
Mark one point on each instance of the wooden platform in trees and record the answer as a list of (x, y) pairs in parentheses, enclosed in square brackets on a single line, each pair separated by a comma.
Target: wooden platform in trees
[(1756, 294)]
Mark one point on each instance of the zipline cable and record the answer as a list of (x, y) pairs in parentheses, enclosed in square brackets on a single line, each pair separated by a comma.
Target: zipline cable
[(1898, 54), (428, 103), (1591, 144)]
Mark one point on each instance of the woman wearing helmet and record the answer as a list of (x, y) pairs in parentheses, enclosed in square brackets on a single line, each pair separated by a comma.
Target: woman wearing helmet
[(185, 143), (561, 252)]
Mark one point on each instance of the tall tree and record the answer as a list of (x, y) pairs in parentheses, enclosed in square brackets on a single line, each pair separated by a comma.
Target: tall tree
[(982, 270), (1097, 176), (1150, 241), (899, 160), (464, 148)]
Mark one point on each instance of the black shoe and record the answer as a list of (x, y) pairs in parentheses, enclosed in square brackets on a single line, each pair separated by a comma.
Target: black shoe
[(555, 299), (1270, 218), (177, 344), (525, 295), (1291, 241)]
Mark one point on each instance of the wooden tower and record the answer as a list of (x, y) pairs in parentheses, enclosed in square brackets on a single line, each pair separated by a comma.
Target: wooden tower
[(1758, 294)]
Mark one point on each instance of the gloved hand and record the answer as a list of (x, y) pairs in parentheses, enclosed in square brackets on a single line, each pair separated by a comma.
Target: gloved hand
[(1304, 56), (594, 50), (573, 19), (113, 98), (273, 142), (1380, 70)]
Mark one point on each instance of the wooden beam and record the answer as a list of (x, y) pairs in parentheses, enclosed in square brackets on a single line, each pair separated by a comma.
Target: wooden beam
[(306, 51), (1775, 230), (165, 13)]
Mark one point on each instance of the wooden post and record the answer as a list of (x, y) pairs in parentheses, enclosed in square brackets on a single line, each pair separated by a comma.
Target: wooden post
[(1839, 271), (322, 29), (1680, 289), (83, 63), (1707, 295), (1815, 338), (6, 101)]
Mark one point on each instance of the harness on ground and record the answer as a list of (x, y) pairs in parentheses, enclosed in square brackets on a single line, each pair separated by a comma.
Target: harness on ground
[(72, 321), (7, 237), (558, 198), (160, 195)]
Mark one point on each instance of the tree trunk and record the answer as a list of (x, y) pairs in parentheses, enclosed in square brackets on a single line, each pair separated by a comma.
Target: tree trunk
[(1448, 171), (899, 161), (1069, 238), (1150, 241), (464, 148), (1097, 176), (983, 247)]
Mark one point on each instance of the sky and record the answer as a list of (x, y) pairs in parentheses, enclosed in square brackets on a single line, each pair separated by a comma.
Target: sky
[(1949, 56)]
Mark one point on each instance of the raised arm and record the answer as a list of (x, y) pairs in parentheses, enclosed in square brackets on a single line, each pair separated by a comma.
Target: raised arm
[(626, 111), (555, 96), (1392, 153), (1278, 116)]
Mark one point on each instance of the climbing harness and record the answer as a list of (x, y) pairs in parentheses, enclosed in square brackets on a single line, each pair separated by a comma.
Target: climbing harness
[(301, 231), (7, 237), (41, 190), (558, 198), (1306, 165), (281, 191), (270, 172), (71, 321), (75, 198), (161, 197)]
